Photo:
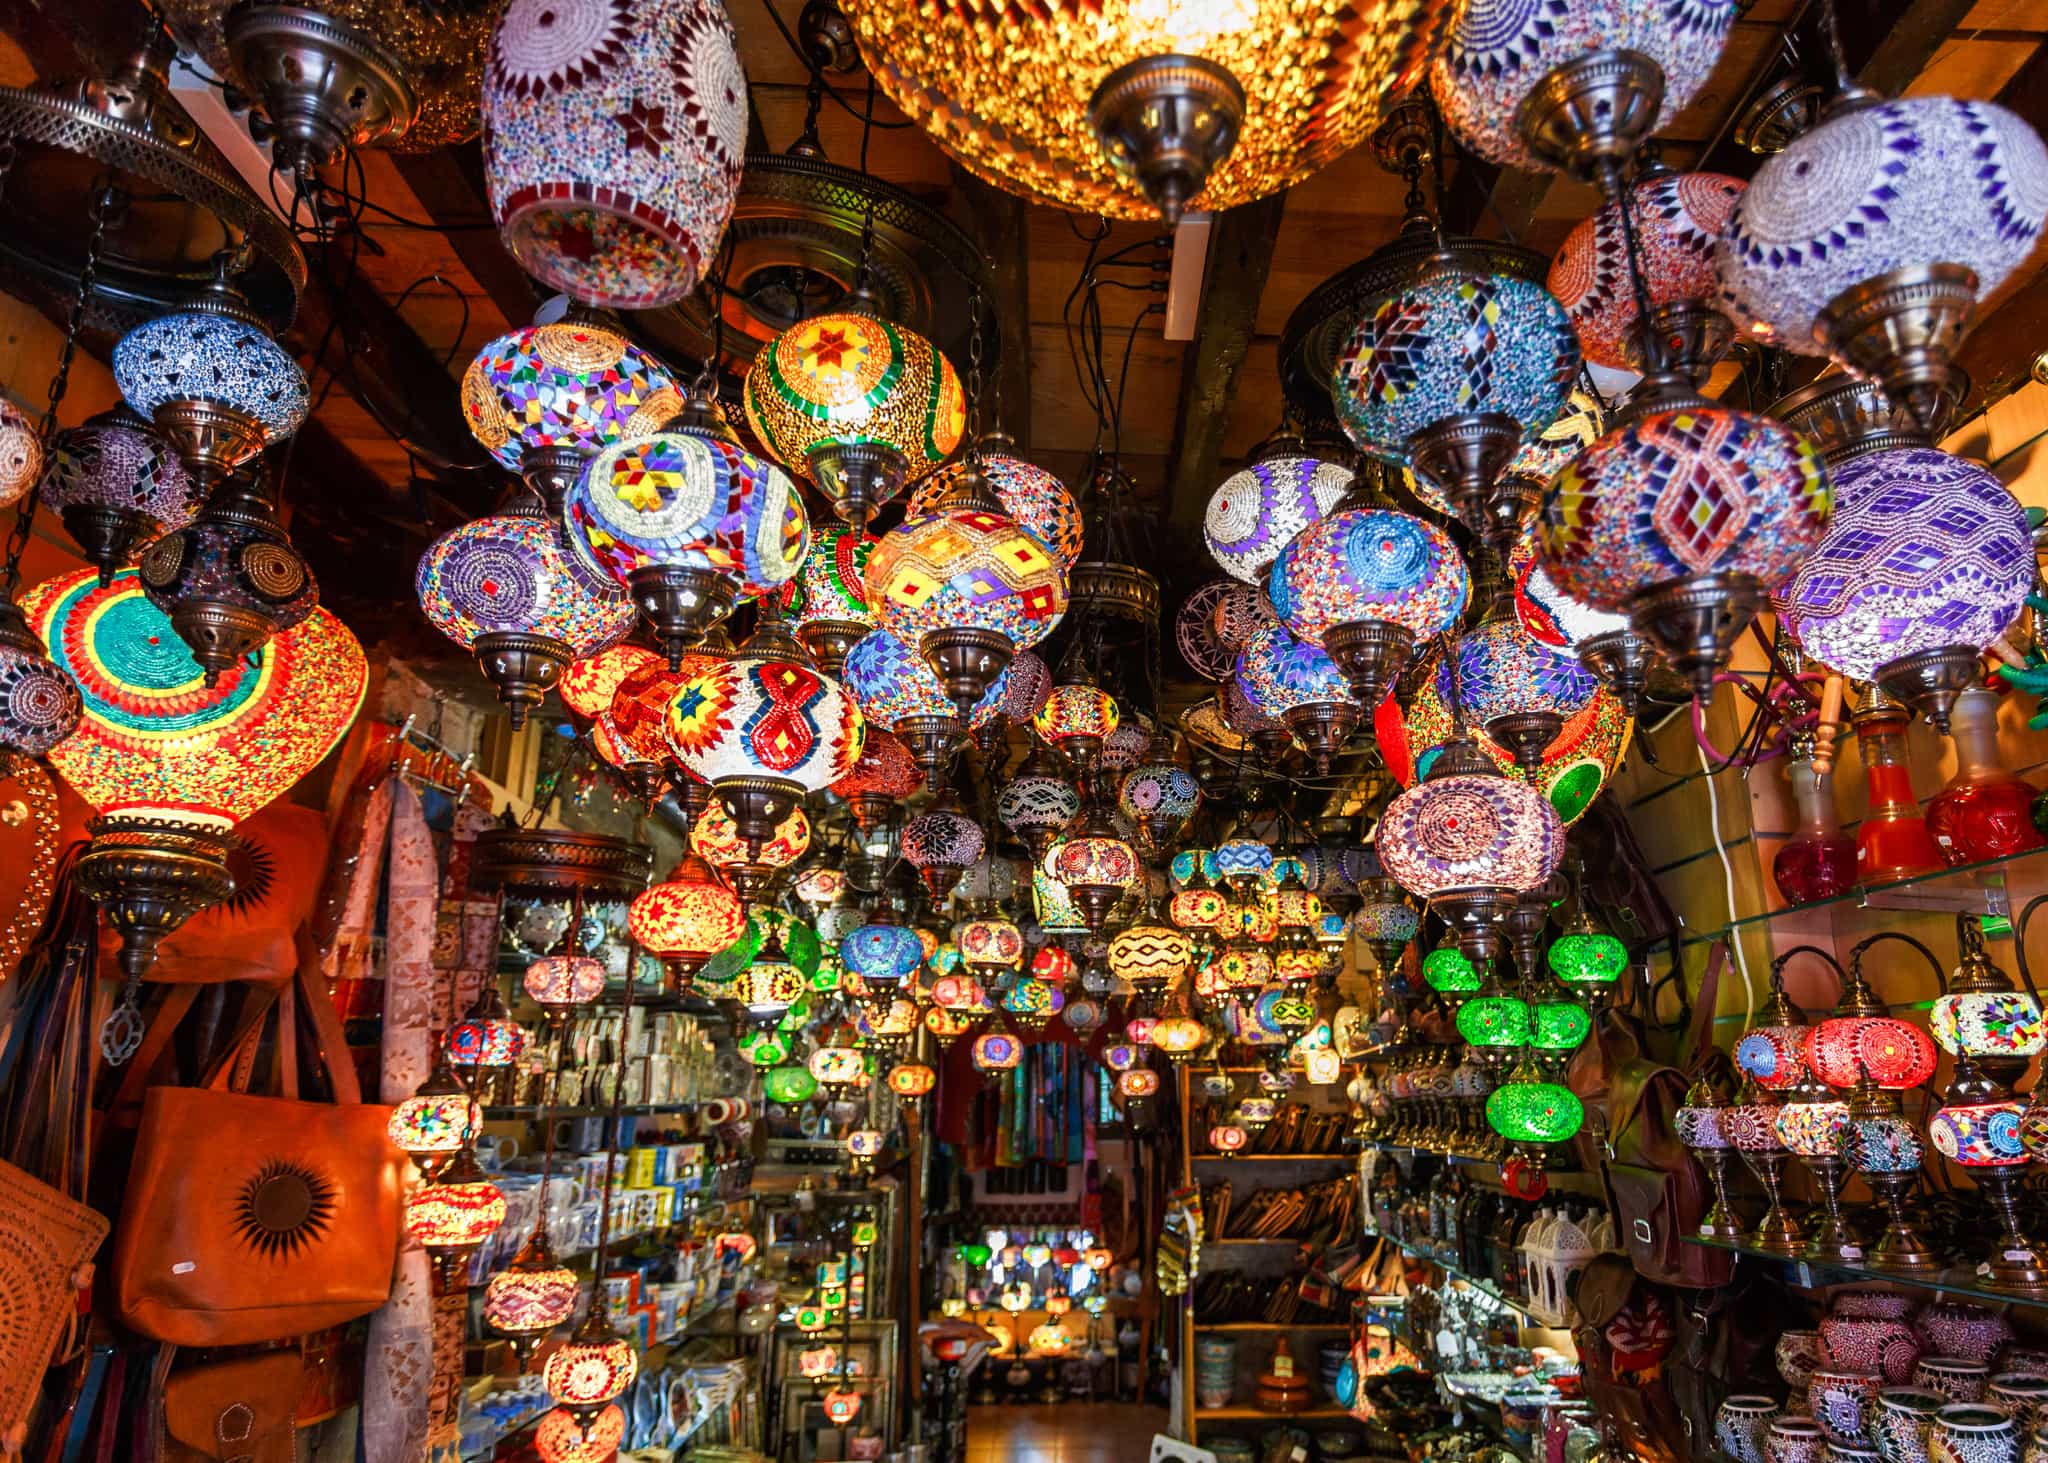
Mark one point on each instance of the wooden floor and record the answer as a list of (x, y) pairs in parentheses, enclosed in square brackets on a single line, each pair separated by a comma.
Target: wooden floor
[(1065, 1432)]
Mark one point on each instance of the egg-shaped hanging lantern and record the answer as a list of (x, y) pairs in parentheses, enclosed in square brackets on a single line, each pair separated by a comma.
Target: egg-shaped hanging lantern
[(590, 682), (1075, 720), (1160, 798), (940, 843), (1871, 237), (115, 481), (1135, 110), (1684, 518), (1572, 84), (614, 132), (860, 406), (21, 453), (1519, 689), (544, 399), (1298, 683), (827, 601), (882, 776), (716, 838), (531, 1296), (1678, 217), (1449, 376), (503, 588), (765, 727), (685, 919), (1367, 585), (897, 690), (1037, 808), (688, 522), (988, 945), (1039, 501), (1260, 507)]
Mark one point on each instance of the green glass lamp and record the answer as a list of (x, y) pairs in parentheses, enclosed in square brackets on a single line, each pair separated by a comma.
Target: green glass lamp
[(975, 1255), (1449, 971), (1588, 961), (1531, 1113), (1494, 1026), (1559, 1026), (789, 1084)]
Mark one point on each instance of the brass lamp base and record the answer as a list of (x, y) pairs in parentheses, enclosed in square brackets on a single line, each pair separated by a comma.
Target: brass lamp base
[(1693, 621), (644, 782), (2017, 1263), (1829, 1235), (1901, 1247), (325, 86), (220, 634), (967, 660), (1167, 121), (523, 667), (150, 877), (1720, 1221), (211, 438), (1685, 336), (1477, 916), (1372, 654), (106, 536), (1621, 659), (858, 477), (1527, 735), (828, 641), (1900, 329), (549, 471), (681, 605), (932, 741), (1930, 680), (1095, 901), (1464, 456), (1779, 1231), (1321, 726), (1590, 114), (757, 806)]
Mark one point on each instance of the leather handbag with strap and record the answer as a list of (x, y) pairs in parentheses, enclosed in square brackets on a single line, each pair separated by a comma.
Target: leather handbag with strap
[(250, 1219), (237, 1411), (1655, 1187)]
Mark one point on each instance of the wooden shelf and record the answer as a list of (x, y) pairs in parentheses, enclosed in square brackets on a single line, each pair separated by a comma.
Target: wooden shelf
[(1272, 1157), (1272, 1327), (1260, 1414)]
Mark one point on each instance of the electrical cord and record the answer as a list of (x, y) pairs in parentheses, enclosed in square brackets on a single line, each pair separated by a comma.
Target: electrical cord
[(1728, 880)]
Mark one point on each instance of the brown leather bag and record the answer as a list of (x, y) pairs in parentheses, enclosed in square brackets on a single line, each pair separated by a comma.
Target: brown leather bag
[(239, 1410), (250, 1219), (1655, 1187)]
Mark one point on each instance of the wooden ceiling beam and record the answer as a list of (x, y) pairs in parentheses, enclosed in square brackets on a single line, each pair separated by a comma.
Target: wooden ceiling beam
[(999, 225), (1486, 200), (449, 183), (1240, 256), (1999, 354)]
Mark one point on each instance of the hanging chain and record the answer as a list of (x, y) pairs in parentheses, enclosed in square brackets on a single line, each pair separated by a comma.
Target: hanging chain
[(104, 204), (974, 374), (1623, 196), (707, 379)]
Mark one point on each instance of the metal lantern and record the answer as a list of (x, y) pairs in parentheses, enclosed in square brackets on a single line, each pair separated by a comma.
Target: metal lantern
[(1260, 507), (1097, 866), (1159, 797), (437, 1121), (1075, 720), (632, 223), (115, 481), (452, 1216)]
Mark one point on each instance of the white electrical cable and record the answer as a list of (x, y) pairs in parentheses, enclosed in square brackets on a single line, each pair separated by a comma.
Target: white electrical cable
[(1728, 878)]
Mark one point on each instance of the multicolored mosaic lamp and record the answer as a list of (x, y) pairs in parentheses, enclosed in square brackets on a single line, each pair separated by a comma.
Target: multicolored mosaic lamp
[(437, 1121), (1927, 558), (1075, 720), (563, 1437), (940, 843), (1151, 958), (1450, 375), (451, 1217), (1160, 798), (687, 522), (1470, 841), (1034, 497), (1367, 585), (115, 481), (989, 945), (1605, 643), (1856, 241), (503, 588), (968, 585), (858, 405), (1265, 503), (1682, 518), (765, 728), (1516, 687), (1573, 86), (169, 764), (633, 222), (827, 602), (1298, 683), (897, 690), (685, 919), (531, 1296)]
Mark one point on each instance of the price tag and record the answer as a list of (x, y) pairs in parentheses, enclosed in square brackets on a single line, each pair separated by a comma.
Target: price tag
[(1805, 1276)]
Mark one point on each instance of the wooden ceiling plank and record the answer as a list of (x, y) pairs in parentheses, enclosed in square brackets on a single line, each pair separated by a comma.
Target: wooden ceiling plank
[(449, 184), (1240, 255), (1999, 354), (999, 224)]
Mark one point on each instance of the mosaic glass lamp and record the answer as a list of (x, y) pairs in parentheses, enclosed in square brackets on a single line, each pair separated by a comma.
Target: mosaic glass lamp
[(452, 1216), (563, 1437), (437, 1121), (685, 919), (716, 838), (1856, 242), (1559, 1026), (544, 399), (1075, 721), (996, 1052), (1037, 499), (115, 481), (1532, 1113), (21, 453), (589, 682), (1159, 797), (897, 690), (503, 588), (1678, 217), (633, 223), (912, 1080), (1448, 971), (940, 843), (1516, 687), (1496, 1023), (487, 1040), (1518, 491), (989, 944), (166, 802), (559, 984), (1299, 684), (1098, 866), (858, 405), (765, 728), (1151, 958), (789, 1085), (1450, 375), (1682, 519), (884, 955), (881, 778), (591, 1369), (1604, 642), (1385, 921), (213, 381), (827, 601), (968, 585), (687, 523), (1030, 684), (1573, 86), (1586, 958), (1367, 585), (1470, 843), (1134, 111), (1257, 509), (531, 1296), (1037, 808)]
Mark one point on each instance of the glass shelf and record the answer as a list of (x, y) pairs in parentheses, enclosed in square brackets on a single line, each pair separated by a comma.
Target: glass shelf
[(1978, 888), (1272, 1328), (1453, 1273), (1261, 1414), (1809, 1274), (1271, 1157)]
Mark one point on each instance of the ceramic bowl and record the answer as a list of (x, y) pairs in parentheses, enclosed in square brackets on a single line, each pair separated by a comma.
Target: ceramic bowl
[(1795, 1440), (1957, 1378), (1844, 1403), (2023, 1394), (1904, 1416), (1741, 1426), (1798, 1353), (1971, 1432), (1958, 1328), (1872, 1305), (1888, 1346)]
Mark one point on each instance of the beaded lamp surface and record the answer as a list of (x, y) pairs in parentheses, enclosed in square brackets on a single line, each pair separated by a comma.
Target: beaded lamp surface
[(1034, 497), (208, 356), (1126, 747), (1075, 714), (762, 715), (1450, 345), (1871, 190), (637, 717), (1892, 1052), (1547, 612), (1504, 671), (115, 468), (1470, 832), (586, 1373), (850, 381), (507, 574), (1535, 1112), (942, 837), (564, 385), (1058, 914), (1278, 673), (966, 568), (893, 684), (434, 1124), (614, 132), (1263, 505), (589, 682), (1009, 96), (1924, 551), (1497, 54), (1369, 564), (1385, 921), (687, 500), (154, 741), (1678, 217)]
